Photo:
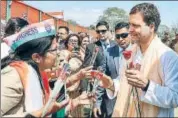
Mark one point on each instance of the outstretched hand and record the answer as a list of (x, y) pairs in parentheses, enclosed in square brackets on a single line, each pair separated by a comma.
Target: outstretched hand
[(83, 99), (104, 80), (84, 73), (56, 106)]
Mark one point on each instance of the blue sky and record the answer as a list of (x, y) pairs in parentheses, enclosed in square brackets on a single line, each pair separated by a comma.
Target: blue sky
[(87, 12)]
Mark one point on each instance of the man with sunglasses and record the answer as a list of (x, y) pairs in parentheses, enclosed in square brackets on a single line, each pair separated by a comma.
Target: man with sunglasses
[(107, 57), (122, 35), (124, 41)]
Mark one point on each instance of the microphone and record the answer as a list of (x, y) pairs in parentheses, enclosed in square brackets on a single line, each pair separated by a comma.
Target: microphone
[(61, 80)]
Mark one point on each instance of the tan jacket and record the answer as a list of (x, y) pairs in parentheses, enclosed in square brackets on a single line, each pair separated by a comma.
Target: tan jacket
[(12, 94)]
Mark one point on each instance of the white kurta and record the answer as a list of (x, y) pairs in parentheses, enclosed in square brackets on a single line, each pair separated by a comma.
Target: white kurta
[(166, 96)]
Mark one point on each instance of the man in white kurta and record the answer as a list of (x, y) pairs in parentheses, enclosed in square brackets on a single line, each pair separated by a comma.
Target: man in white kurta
[(164, 96), (157, 79)]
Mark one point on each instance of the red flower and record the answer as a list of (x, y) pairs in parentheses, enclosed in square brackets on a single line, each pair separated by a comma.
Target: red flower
[(127, 54), (96, 74), (96, 49)]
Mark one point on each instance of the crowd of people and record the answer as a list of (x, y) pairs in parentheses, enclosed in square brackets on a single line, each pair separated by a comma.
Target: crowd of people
[(131, 74), (172, 43)]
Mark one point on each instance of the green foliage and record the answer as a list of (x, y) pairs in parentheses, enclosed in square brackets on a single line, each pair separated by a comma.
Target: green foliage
[(91, 27), (113, 15), (171, 30), (162, 29), (70, 21)]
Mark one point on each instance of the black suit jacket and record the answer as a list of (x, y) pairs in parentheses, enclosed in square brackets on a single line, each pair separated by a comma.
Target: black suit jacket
[(99, 62), (111, 69)]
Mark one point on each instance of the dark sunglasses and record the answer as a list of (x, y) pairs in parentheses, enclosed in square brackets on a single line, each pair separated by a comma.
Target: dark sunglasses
[(102, 31), (123, 35)]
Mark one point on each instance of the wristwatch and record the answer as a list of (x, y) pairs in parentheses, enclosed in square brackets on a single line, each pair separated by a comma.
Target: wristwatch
[(29, 116), (146, 88)]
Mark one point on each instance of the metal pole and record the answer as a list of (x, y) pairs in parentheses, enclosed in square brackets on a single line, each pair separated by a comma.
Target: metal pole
[(40, 16), (8, 9)]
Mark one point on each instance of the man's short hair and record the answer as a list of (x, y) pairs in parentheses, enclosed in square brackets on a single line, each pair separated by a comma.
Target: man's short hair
[(149, 12), (64, 27), (122, 25), (100, 23)]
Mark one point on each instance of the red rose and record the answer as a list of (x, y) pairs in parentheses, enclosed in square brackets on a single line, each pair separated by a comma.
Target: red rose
[(96, 49), (127, 54), (96, 74)]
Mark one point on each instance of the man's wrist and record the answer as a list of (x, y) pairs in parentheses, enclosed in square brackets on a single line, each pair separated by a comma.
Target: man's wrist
[(146, 87), (111, 87)]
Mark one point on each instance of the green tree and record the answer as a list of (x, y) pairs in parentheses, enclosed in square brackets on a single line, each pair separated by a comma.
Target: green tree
[(171, 30), (70, 21), (174, 28), (91, 27), (162, 29), (113, 15)]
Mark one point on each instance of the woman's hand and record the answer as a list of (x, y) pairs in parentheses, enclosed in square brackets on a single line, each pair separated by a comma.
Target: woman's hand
[(84, 73), (53, 74), (55, 106), (83, 99), (105, 81)]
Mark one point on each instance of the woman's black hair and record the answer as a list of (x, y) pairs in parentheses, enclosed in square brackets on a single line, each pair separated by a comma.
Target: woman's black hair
[(25, 51), (14, 25)]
